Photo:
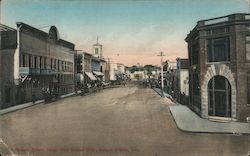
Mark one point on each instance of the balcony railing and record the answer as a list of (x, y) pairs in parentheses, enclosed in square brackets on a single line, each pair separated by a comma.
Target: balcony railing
[(23, 71)]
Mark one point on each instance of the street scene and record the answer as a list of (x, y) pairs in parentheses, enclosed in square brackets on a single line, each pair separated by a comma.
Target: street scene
[(119, 124), (123, 77)]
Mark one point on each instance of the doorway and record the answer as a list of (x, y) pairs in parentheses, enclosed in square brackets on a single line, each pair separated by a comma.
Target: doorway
[(219, 94)]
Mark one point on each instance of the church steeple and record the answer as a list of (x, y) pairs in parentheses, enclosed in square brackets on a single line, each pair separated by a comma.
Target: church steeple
[(97, 49)]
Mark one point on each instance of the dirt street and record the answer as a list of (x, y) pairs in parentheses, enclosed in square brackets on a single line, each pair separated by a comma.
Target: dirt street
[(126, 121)]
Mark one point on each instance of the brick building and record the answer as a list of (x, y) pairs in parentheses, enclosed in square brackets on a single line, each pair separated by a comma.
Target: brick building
[(219, 71), (34, 61)]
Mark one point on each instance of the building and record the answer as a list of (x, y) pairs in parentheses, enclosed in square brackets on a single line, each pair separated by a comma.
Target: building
[(84, 73), (137, 76), (7, 49), (34, 61), (169, 76), (90, 67), (182, 85), (117, 71), (169, 65), (219, 71)]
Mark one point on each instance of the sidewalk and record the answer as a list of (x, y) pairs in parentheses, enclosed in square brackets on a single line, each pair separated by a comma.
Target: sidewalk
[(187, 120), (158, 90), (29, 104)]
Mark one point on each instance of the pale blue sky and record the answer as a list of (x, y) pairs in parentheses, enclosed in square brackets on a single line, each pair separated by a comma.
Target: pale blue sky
[(136, 30)]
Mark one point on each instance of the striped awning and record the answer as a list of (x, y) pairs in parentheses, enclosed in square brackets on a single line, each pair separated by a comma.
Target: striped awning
[(91, 76), (97, 73)]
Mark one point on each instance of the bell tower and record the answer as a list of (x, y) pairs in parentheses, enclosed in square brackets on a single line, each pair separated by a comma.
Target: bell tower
[(97, 49)]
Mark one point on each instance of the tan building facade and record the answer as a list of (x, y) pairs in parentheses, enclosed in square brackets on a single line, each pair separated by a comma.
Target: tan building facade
[(37, 62)]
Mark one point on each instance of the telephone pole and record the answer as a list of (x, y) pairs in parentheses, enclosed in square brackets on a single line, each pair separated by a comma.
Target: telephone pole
[(162, 82), (248, 6)]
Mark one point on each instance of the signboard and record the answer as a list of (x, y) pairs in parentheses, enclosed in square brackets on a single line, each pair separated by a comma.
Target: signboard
[(24, 71)]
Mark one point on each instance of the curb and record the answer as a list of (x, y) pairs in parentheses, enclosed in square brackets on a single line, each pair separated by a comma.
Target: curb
[(169, 96), (19, 107), (204, 132), (30, 104)]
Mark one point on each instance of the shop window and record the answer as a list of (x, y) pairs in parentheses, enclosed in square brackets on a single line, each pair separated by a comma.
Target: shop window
[(218, 50)]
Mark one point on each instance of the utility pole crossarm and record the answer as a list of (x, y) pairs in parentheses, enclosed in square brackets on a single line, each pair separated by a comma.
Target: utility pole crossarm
[(162, 82)]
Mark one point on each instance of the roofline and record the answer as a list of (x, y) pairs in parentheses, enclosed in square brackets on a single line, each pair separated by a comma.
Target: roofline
[(44, 33), (200, 23), (7, 27), (223, 17)]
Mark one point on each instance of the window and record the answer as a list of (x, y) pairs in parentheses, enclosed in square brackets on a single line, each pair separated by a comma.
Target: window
[(58, 65), (96, 51), (248, 48), (248, 88), (45, 63), (193, 53), (55, 63), (23, 60), (38, 61), (35, 62), (62, 65), (218, 50), (41, 62), (65, 66), (30, 61), (51, 63)]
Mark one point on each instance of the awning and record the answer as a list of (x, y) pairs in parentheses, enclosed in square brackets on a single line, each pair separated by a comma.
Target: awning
[(91, 76), (97, 73)]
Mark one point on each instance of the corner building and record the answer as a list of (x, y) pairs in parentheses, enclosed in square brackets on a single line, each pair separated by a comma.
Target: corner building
[(35, 62), (219, 67)]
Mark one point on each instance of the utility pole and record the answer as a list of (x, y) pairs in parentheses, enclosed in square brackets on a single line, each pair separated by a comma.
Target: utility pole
[(0, 11), (162, 82), (249, 6)]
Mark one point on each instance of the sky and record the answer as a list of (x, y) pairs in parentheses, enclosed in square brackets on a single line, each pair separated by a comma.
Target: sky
[(131, 31)]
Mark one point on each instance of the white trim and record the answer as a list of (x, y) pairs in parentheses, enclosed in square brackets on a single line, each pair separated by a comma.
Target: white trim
[(213, 70), (219, 119)]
